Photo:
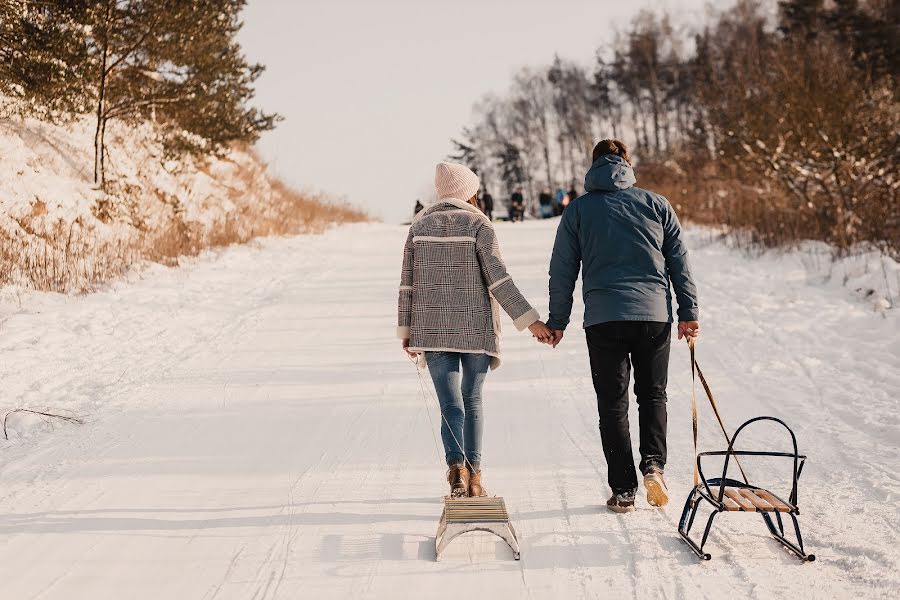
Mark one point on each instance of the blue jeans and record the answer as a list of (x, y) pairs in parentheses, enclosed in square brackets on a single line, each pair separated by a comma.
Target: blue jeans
[(458, 377)]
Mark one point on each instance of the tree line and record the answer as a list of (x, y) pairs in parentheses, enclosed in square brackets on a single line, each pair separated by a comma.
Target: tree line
[(175, 63), (784, 126)]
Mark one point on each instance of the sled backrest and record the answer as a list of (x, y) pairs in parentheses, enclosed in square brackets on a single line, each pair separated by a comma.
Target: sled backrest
[(798, 459)]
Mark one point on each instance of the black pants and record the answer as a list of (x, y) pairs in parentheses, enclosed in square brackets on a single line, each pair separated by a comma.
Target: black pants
[(614, 347)]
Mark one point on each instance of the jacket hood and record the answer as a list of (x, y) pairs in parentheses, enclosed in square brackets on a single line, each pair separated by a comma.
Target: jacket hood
[(609, 173)]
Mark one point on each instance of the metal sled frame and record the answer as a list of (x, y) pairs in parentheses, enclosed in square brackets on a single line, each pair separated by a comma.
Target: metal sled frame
[(462, 515), (704, 491)]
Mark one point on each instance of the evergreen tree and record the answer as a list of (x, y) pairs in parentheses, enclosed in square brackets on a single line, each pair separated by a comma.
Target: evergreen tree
[(512, 171), (175, 62), (43, 58), (465, 152)]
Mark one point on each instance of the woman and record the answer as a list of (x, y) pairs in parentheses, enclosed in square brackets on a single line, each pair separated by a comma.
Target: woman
[(451, 281)]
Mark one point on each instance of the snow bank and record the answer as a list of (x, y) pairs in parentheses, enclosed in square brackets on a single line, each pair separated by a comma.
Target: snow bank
[(59, 232), (46, 178), (867, 274)]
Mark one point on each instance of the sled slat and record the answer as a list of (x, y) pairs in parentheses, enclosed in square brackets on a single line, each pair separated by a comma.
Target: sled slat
[(730, 505), (475, 510), (771, 499), (758, 502), (740, 500), (462, 515)]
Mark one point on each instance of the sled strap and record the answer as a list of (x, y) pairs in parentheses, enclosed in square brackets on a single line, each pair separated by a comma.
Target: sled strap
[(697, 373), (690, 342)]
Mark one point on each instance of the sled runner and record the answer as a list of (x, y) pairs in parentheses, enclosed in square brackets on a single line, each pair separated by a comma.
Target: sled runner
[(724, 494), (462, 515)]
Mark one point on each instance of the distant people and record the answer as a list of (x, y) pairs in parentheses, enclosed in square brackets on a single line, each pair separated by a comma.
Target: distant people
[(560, 202), (517, 206), (573, 193), (545, 204), (487, 205), (451, 277), (419, 207)]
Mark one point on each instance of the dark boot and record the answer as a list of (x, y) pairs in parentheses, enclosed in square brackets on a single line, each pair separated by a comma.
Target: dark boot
[(458, 478), (621, 502), (475, 489)]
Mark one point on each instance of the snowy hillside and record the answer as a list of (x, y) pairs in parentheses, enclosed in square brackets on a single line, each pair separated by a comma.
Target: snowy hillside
[(254, 431), (59, 232)]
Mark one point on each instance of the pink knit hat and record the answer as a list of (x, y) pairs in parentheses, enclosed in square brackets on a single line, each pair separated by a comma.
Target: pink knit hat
[(453, 180)]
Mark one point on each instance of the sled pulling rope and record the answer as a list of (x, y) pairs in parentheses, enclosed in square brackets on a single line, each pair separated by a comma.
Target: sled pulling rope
[(729, 495), (462, 515)]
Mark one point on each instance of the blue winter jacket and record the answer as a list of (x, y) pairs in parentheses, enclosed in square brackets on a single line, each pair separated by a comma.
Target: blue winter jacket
[(627, 241)]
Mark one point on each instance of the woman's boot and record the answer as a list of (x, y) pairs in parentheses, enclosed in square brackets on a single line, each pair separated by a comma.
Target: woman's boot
[(475, 489), (458, 478)]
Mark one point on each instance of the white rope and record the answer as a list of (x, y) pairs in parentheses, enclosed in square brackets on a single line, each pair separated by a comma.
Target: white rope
[(437, 447), (415, 362)]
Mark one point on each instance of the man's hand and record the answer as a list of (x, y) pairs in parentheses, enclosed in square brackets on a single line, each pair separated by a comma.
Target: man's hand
[(689, 329), (543, 333), (406, 349), (557, 337)]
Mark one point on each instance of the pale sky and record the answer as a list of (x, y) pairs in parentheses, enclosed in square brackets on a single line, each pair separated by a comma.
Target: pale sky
[(373, 90)]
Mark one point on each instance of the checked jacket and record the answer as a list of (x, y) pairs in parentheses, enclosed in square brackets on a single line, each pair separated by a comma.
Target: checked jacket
[(451, 282)]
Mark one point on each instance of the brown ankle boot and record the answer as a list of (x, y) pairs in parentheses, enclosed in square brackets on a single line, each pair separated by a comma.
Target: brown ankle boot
[(475, 489), (458, 478)]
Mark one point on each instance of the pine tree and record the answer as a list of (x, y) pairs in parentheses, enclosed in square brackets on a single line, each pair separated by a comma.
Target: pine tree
[(177, 63), (512, 171), (43, 58), (174, 62)]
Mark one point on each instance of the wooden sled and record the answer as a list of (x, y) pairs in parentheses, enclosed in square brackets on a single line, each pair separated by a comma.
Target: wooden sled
[(728, 495), (462, 515)]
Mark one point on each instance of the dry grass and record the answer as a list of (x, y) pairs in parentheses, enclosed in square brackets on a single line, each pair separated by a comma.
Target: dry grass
[(763, 215), (75, 258)]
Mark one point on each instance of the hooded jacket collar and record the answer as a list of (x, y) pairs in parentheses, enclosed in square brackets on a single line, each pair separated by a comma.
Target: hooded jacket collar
[(445, 204), (609, 173)]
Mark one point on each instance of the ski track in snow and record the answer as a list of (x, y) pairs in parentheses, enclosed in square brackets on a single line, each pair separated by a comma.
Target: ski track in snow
[(254, 432)]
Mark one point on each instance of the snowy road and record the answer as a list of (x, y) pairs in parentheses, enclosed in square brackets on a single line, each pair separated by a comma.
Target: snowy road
[(254, 432)]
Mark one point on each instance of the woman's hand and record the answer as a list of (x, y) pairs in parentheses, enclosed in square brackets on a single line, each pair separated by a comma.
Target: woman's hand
[(406, 349), (543, 333)]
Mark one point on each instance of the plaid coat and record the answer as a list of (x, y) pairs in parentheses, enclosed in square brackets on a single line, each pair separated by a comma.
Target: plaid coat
[(451, 281)]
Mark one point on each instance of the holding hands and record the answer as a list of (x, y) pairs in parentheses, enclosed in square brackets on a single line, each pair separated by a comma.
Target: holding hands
[(544, 334)]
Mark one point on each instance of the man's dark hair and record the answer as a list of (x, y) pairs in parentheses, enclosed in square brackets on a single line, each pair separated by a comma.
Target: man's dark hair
[(611, 147)]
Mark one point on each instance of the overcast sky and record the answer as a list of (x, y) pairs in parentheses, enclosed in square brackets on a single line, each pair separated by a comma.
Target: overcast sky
[(373, 90)]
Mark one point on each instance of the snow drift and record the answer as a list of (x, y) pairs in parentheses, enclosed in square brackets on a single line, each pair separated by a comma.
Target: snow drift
[(60, 232)]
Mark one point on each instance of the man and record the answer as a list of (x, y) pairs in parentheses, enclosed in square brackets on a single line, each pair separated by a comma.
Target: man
[(629, 243), (545, 204), (573, 193), (487, 205), (517, 206)]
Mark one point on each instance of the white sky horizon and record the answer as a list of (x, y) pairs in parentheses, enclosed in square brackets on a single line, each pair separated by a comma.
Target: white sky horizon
[(373, 91)]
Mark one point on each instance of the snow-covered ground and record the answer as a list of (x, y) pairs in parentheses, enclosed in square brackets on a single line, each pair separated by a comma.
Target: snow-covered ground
[(254, 431)]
